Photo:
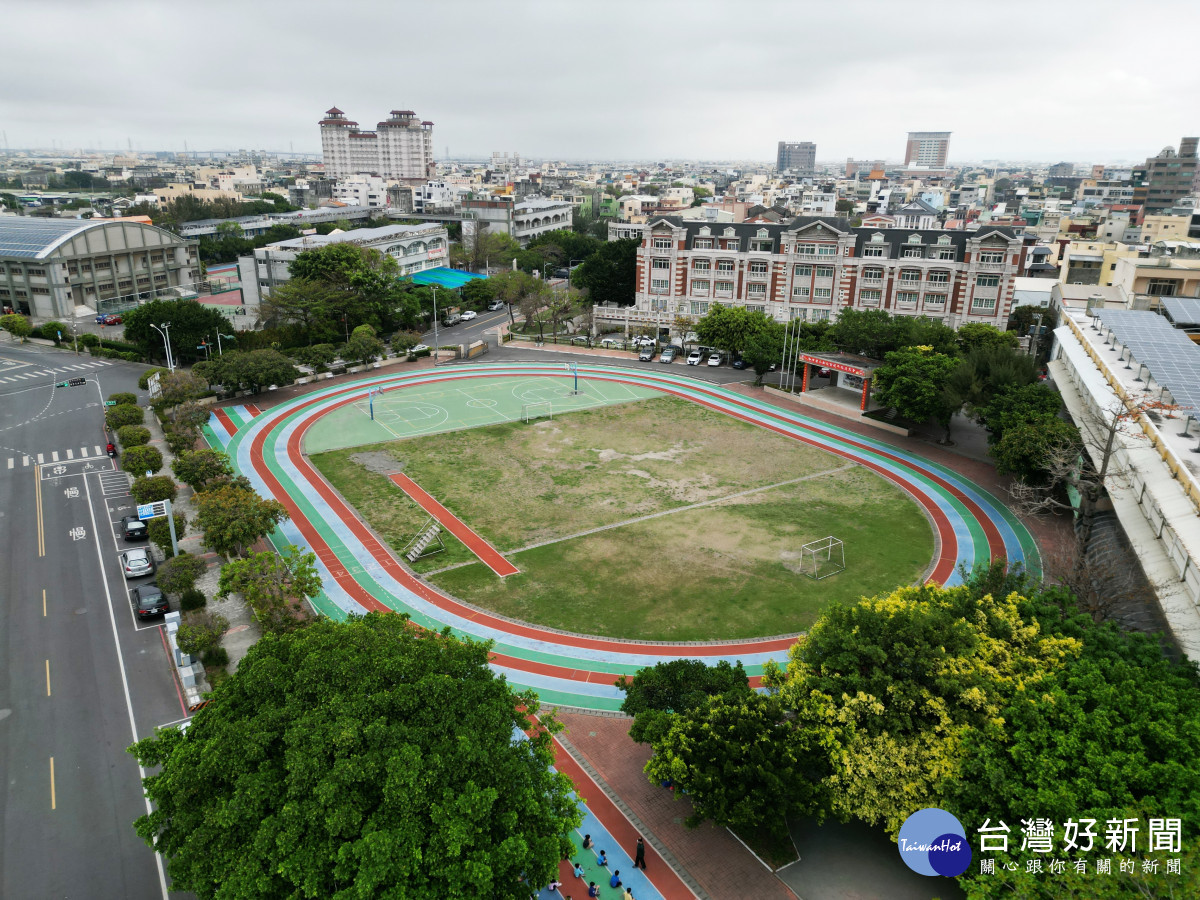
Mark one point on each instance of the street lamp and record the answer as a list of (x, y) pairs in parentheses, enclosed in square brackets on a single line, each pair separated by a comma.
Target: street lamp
[(166, 342), (204, 345), (435, 328), (228, 337)]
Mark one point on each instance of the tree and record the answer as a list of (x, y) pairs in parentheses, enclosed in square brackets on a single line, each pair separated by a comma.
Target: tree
[(914, 381), (763, 350), (274, 585), (117, 417), (179, 387), (180, 573), (731, 327), (978, 334), (660, 692), (364, 346), (191, 324), (988, 370), (363, 758), (232, 518), (153, 488), (492, 248), (197, 468), (478, 292), (133, 435), (123, 398), (514, 287), (1019, 405), (249, 371), (137, 460), (159, 530), (16, 325), (1029, 450), (844, 206), (201, 632), (610, 274), (188, 415), (742, 763), (312, 305)]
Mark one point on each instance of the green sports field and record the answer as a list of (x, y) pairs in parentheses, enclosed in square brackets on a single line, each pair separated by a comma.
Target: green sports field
[(639, 518)]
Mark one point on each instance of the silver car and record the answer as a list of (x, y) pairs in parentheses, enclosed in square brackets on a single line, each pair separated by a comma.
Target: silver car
[(137, 562)]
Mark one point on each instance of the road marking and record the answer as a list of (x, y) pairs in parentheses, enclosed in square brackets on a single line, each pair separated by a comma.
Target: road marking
[(47, 678), (96, 448), (43, 603), (11, 462), (112, 619), (70, 453), (53, 800), (24, 460), (41, 459), (37, 474), (83, 451), (53, 456)]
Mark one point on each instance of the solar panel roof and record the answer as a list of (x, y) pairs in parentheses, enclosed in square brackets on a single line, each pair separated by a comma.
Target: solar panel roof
[(1169, 354), (1182, 310), (27, 237)]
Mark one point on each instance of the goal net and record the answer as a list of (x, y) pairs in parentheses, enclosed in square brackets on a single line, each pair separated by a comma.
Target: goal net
[(822, 558), (531, 411)]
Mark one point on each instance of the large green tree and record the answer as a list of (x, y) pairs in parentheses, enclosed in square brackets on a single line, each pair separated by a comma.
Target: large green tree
[(196, 468), (191, 325), (914, 382), (233, 517), (610, 274), (359, 759), (731, 327), (275, 585), (249, 371)]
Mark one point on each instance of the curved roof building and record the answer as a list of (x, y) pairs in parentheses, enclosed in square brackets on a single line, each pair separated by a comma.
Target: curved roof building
[(51, 267)]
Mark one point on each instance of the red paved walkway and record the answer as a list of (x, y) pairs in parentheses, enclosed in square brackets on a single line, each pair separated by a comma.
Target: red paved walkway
[(486, 552)]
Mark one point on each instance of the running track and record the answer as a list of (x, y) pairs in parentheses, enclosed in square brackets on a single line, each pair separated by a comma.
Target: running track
[(360, 573)]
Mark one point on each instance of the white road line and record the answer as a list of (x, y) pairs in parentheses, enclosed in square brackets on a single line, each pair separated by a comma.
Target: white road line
[(25, 460), (53, 456), (41, 459), (70, 453), (112, 618), (11, 462), (83, 451), (96, 447)]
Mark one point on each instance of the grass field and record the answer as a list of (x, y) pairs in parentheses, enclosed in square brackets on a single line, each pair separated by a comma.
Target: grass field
[(727, 568)]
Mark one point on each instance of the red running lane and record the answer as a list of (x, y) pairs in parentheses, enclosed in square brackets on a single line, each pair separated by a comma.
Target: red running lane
[(487, 554)]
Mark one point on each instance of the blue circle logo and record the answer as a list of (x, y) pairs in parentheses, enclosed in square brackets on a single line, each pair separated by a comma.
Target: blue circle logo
[(933, 842)]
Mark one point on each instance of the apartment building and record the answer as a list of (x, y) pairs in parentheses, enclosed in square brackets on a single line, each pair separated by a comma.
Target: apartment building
[(813, 267), (523, 220), (400, 147), (799, 157), (928, 149), (362, 190)]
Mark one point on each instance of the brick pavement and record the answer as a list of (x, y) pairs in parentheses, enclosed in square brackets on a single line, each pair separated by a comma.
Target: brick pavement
[(710, 859)]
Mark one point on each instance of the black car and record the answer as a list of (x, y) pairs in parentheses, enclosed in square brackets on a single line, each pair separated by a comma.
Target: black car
[(149, 601), (740, 364), (134, 529)]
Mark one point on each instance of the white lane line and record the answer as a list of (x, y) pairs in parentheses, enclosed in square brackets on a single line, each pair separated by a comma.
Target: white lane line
[(53, 456), (70, 453), (11, 462), (41, 459)]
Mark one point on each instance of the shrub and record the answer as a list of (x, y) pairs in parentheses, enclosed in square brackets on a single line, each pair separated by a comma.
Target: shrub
[(133, 436), (51, 331), (403, 340), (192, 599), (181, 440), (175, 576), (144, 378), (217, 657), (419, 353), (141, 459), (153, 489), (201, 633), (121, 398), (89, 340), (125, 414), (160, 532)]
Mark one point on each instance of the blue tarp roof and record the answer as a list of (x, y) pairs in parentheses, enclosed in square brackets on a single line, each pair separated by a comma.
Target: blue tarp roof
[(443, 277)]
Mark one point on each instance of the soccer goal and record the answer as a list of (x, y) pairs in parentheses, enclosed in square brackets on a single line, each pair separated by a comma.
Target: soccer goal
[(820, 559), (531, 411)]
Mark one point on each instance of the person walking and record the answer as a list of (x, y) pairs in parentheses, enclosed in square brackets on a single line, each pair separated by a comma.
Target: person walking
[(639, 858)]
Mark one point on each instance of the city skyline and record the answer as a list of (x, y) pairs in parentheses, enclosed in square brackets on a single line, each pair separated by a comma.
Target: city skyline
[(572, 90)]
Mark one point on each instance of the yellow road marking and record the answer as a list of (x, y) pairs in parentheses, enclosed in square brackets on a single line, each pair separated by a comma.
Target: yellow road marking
[(53, 799)]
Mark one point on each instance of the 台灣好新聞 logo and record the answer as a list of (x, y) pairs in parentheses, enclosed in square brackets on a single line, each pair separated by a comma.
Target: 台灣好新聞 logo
[(933, 842)]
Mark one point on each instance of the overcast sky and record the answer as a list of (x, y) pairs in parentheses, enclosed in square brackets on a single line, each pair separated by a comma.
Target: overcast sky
[(609, 79)]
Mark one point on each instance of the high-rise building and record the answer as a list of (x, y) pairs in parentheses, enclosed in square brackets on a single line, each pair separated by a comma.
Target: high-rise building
[(400, 147), (927, 148), (799, 157), (1170, 176)]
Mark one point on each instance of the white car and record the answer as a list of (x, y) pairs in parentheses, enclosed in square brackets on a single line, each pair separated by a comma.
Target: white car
[(694, 358), (609, 342), (137, 562), (469, 315), (714, 359)]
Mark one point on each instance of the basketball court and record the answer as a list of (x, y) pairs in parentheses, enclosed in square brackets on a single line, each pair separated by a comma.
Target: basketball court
[(403, 412)]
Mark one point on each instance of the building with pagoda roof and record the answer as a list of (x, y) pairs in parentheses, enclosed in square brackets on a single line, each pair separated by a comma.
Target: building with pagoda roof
[(401, 146)]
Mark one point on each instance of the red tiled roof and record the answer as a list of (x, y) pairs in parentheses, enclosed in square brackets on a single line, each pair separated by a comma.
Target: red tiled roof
[(334, 112)]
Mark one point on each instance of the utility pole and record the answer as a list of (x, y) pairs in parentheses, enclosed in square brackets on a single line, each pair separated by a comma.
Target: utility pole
[(435, 323)]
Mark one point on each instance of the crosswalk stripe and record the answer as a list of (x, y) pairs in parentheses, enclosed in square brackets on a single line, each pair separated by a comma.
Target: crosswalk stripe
[(53, 456), (70, 453), (83, 451), (24, 460), (11, 462), (41, 459), (97, 448)]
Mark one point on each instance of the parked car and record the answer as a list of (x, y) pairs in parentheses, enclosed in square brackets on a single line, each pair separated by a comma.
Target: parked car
[(646, 353), (714, 359), (148, 601), (468, 315), (610, 342), (495, 305), (694, 358), (669, 354), (581, 339), (134, 529), (418, 348), (108, 319), (137, 562), (451, 319), (740, 363)]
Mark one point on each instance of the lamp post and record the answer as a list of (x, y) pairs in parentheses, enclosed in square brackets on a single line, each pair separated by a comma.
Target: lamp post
[(74, 337), (204, 345), (229, 337), (435, 328), (166, 342)]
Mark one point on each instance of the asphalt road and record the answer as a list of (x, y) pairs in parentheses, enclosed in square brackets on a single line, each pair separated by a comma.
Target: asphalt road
[(79, 680)]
